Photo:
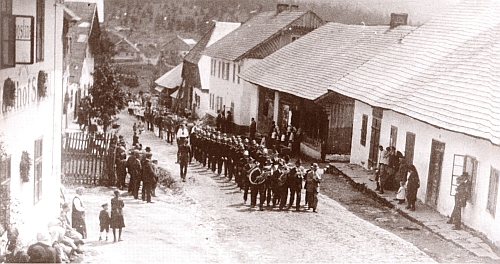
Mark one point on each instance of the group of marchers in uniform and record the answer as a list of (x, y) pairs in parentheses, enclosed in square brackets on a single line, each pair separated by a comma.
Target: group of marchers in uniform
[(264, 173)]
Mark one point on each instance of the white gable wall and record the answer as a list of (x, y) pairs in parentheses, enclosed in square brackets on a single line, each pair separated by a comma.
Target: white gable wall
[(244, 95), (31, 119), (474, 215)]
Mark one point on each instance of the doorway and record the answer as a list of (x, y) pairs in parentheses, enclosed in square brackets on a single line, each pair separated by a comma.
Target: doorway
[(435, 168)]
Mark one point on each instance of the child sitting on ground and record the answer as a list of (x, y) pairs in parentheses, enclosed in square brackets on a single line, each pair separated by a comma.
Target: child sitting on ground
[(104, 220), (401, 194)]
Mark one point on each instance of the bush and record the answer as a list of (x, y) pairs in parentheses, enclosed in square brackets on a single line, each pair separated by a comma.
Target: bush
[(164, 177)]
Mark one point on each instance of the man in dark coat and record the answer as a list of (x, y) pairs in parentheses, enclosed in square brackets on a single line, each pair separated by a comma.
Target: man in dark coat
[(253, 129), (148, 177), (184, 150), (461, 196), (134, 169), (296, 177)]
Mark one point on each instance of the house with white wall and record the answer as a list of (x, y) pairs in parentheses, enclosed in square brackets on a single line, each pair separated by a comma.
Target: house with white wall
[(196, 69), (292, 78), (254, 40), (435, 96), (31, 95), (81, 45)]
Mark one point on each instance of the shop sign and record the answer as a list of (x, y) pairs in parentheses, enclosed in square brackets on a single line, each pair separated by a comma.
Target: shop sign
[(24, 39)]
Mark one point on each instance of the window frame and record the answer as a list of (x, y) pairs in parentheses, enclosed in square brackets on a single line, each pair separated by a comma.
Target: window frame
[(364, 130), (38, 170), (40, 30), (491, 203), (461, 164), (5, 182), (234, 72), (239, 70), (7, 35)]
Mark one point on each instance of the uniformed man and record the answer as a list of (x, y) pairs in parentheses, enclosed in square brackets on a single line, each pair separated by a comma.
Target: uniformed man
[(296, 177)]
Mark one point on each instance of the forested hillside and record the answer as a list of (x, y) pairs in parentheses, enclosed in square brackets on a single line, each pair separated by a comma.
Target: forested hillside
[(194, 16)]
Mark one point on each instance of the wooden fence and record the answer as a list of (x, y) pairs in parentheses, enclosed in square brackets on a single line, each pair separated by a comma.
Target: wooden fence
[(85, 157)]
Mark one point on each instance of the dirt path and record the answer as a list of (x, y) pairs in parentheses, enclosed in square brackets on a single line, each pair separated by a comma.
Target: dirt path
[(207, 222)]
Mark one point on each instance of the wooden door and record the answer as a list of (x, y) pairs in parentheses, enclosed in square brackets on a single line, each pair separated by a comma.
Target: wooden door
[(374, 142), (435, 168), (409, 147)]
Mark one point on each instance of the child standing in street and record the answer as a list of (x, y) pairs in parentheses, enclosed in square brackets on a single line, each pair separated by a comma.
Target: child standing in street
[(401, 194), (104, 220)]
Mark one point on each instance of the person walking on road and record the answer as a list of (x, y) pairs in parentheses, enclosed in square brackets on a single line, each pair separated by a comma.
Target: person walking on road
[(183, 159), (412, 185), (313, 178), (296, 176), (461, 195), (117, 221)]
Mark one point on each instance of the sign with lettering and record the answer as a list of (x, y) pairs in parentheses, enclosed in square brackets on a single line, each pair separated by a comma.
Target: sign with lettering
[(25, 39)]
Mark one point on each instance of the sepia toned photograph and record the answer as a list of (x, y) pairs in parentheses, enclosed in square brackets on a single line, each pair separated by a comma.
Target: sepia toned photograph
[(238, 131)]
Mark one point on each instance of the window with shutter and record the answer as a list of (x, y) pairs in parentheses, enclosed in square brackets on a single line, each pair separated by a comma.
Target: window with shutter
[(364, 130), (38, 170), (5, 166), (7, 36), (492, 192), (40, 29)]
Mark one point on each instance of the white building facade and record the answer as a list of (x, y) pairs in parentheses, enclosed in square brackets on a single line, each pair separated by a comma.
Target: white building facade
[(458, 153), (30, 120)]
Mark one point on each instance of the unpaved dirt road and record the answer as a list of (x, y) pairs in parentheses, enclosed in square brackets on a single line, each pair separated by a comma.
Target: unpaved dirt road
[(205, 221)]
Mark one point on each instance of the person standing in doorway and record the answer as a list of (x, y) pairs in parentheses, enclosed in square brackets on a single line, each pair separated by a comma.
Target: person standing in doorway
[(253, 129), (78, 213)]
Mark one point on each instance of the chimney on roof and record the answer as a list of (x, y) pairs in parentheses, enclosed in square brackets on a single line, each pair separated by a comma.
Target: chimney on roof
[(398, 19), (282, 7), (294, 7)]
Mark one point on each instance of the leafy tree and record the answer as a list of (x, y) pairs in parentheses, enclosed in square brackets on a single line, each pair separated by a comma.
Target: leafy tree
[(107, 98)]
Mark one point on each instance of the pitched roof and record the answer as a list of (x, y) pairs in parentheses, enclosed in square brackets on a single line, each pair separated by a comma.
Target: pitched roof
[(195, 53), (252, 33), (446, 73), (80, 33), (308, 65), (216, 32), (171, 79)]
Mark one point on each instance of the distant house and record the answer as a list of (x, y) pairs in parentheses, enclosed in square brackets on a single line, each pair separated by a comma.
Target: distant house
[(178, 47), (81, 44), (126, 51), (170, 82), (256, 39), (31, 88), (435, 96), (289, 80), (196, 70)]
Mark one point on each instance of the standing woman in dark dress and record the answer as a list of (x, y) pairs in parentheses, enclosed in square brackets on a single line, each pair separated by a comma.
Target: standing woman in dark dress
[(117, 215), (412, 185)]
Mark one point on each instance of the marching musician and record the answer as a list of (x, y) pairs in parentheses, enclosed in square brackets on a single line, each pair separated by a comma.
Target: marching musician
[(313, 178), (284, 182), (296, 176), (247, 166)]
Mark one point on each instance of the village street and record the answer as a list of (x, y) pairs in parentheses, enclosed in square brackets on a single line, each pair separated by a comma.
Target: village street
[(204, 220)]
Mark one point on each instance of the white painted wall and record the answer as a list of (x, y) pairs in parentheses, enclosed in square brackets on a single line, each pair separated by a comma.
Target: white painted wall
[(31, 119), (474, 215)]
